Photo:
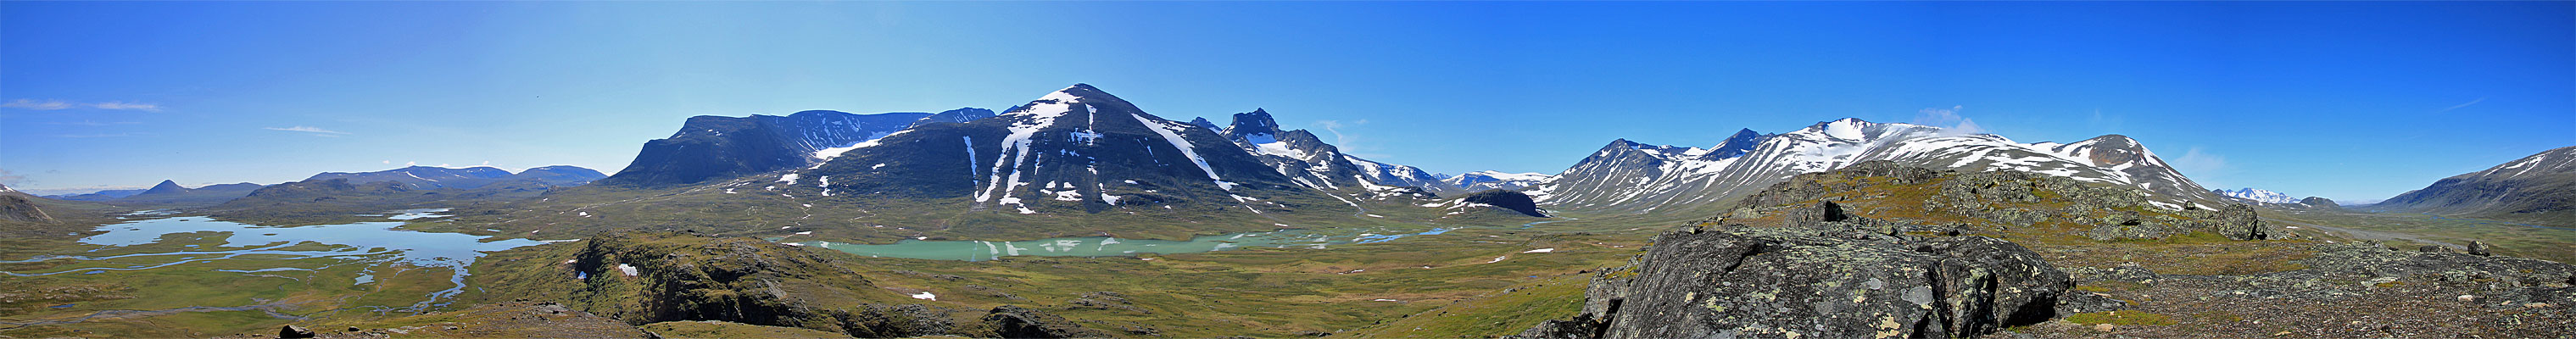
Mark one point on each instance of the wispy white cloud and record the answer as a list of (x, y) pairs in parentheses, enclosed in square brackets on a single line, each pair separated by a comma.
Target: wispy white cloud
[(2471, 102), (48, 105), (127, 106), (2203, 167), (1349, 143), (92, 123), (316, 131), (1948, 120), (102, 135), (11, 179)]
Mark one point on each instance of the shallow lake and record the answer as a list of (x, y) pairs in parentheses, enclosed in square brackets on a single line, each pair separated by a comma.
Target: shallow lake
[(371, 243)]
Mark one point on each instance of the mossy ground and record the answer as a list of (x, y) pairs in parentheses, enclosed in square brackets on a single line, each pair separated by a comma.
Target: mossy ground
[(2122, 318), (719, 329)]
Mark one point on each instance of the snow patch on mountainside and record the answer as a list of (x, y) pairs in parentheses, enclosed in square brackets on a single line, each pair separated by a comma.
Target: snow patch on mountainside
[(1172, 135)]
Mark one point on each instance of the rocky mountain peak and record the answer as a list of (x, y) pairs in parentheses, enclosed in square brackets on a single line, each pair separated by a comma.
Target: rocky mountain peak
[(1203, 122), (1256, 122), (1735, 146)]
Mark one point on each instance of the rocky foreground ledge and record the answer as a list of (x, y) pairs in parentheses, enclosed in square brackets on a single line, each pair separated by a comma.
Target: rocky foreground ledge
[(1816, 283)]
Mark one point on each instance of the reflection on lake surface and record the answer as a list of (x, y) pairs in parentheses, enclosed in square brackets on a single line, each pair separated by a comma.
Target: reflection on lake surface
[(976, 250)]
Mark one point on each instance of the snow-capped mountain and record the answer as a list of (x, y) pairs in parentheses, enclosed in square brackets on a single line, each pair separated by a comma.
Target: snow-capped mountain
[(1297, 154), (2258, 195), (1384, 174), (1626, 176), (716, 147), (1480, 181), (1310, 162), (1075, 150)]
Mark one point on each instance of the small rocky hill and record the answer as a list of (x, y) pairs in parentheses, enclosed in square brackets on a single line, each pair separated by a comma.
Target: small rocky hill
[(1877, 250), (1504, 200)]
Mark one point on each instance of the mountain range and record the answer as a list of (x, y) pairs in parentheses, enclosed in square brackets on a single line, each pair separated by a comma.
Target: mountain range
[(1631, 177), (2257, 195), (426, 177), (171, 193), (1479, 181), (1060, 164)]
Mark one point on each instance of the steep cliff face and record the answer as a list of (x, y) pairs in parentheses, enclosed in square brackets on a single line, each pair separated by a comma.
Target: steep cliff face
[(715, 147)]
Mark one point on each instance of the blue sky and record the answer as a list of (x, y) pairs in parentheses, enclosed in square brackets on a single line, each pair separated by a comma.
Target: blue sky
[(2352, 101)]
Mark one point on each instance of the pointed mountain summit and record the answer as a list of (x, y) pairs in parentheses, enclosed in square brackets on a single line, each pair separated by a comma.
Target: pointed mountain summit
[(1735, 146), (1203, 122), (165, 187)]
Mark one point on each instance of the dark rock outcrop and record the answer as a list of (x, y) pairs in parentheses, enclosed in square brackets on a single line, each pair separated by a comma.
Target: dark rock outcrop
[(1514, 201), (1019, 322), (1816, 283), (739, 280)]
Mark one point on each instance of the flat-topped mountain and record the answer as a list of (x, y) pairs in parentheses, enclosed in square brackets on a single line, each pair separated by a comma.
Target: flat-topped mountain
[(712, 147)]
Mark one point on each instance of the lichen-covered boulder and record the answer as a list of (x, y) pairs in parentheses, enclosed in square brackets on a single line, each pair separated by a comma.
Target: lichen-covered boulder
[(1805, 282)]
